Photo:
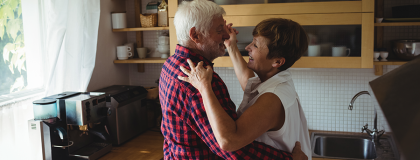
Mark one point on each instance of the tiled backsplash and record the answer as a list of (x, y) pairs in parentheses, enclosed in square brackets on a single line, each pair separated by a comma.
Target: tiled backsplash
[(325, 93)]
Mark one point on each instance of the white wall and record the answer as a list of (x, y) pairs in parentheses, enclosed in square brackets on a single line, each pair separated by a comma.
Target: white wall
[(107, 73)]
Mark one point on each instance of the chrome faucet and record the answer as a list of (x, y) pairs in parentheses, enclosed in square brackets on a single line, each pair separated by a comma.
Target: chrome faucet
[(374, 134)]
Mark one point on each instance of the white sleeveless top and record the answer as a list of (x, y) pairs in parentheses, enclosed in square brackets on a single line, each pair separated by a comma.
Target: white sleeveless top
[(295, 127)]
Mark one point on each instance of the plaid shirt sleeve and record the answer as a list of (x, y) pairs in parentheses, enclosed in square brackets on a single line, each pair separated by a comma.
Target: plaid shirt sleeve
[(200, 124)]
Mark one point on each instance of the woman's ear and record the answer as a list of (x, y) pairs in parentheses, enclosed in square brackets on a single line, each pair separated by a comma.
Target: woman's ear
[(194, 35), (278, 62)]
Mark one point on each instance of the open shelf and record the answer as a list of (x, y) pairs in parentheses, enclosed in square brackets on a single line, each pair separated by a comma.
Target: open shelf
[(140, 29), (143, 60), (391, 62), (379, 65), (398, 24)]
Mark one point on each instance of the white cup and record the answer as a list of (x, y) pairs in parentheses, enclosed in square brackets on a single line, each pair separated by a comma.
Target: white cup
[(142, 52), (384, 55), (376, 56), (340, 51), (119, 20), (123, 52), (379, 20), (314, 50)]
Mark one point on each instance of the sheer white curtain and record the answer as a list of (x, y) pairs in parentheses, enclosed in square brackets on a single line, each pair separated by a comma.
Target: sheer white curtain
[(69, 40)]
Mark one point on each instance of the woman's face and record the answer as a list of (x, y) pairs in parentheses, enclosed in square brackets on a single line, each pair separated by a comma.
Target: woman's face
[(258, 51)]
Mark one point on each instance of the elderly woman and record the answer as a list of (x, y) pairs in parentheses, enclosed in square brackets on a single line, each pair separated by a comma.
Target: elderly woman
[(270, 111)]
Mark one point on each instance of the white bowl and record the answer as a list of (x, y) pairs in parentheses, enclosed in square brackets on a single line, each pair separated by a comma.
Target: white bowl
[(163, 48)]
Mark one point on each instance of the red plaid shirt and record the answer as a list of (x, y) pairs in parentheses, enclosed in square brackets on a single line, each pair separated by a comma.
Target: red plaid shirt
[(185, 126)]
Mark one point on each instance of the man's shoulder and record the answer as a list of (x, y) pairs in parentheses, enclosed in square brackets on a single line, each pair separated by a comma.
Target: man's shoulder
[(170, 72), (171, 67), (174, 62)]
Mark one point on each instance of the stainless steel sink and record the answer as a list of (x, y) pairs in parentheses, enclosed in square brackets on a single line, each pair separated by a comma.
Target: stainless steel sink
[(351, 147)]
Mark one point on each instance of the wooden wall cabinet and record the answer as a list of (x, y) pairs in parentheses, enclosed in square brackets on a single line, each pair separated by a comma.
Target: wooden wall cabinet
[(379, 36), (306, 13)]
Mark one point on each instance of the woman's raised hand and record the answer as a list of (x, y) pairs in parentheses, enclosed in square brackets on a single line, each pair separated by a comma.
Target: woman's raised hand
[(232, 33), (198, 76)]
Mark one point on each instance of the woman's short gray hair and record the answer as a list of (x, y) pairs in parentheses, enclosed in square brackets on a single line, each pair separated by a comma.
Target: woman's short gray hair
[(198, 14)]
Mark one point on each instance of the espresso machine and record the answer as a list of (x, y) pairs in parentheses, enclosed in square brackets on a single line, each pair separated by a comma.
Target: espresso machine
[(128, 112), (71, 125)]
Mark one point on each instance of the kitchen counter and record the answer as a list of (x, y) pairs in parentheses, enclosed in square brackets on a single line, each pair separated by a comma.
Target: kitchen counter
[(147, 145)]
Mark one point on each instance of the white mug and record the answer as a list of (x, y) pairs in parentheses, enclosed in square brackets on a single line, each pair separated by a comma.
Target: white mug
[(142, 52), (314, 50), (123, 52), (119, 20), (340, 51)]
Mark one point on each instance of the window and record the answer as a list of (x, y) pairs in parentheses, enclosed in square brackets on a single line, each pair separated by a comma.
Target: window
[(12, 48), (21, 60)]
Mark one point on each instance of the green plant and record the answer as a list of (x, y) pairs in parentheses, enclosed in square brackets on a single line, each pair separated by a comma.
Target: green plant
[(12, 42)]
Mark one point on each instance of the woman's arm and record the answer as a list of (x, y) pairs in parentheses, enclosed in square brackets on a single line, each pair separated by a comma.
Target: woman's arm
[(243, 73), (266, 114)]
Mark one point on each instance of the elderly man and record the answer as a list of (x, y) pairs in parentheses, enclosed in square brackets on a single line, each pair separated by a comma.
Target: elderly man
[(200, 30)]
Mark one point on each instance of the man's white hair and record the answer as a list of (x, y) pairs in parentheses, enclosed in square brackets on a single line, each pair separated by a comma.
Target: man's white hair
[(198, 14)]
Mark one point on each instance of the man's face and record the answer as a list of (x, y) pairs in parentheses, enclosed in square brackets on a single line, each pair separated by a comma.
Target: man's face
[(213, 44)]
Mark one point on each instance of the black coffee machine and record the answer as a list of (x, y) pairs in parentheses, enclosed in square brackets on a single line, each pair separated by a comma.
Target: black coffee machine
[(71, 125)]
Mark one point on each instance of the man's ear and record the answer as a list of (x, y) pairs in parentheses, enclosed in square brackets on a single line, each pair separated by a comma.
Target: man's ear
[(194, 35), (278, 62)]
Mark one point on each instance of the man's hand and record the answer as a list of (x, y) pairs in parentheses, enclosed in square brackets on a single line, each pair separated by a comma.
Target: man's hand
[(298, 153)]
